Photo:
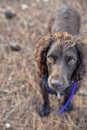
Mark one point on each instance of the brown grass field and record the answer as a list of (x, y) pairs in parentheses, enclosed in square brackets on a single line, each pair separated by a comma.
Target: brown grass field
[(19, 84)]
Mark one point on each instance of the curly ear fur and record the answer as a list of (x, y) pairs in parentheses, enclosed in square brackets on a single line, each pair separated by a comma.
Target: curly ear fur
[(41, 52), (42, 48), (81, 69)]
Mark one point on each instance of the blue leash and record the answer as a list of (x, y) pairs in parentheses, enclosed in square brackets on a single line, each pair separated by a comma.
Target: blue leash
[(45, 80), (71, 96)]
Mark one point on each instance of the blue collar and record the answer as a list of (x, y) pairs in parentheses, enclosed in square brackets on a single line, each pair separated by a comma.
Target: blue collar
[(73, 87)]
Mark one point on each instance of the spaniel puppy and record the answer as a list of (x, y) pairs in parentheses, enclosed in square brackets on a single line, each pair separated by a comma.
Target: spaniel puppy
[(60, 59)]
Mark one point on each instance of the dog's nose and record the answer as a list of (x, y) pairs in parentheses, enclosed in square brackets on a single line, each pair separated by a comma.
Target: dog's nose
[(57, 84)]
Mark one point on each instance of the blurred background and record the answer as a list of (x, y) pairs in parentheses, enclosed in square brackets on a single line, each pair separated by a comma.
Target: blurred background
[(22, 23)]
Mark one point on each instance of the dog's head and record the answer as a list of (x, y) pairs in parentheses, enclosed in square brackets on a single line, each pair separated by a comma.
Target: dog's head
[(61, 60)]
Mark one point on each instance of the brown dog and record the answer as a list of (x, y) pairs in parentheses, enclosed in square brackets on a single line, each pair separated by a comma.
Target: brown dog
[(60, 58)]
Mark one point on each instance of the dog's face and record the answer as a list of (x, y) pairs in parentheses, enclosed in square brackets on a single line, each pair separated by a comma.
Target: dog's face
[(61, 62)]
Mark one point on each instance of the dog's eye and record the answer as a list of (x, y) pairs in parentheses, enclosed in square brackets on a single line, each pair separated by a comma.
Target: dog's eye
[(71, 61), (50, 59)]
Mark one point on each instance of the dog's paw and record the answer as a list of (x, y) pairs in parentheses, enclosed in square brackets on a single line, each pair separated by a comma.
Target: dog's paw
[(69, 107), (44, 111)]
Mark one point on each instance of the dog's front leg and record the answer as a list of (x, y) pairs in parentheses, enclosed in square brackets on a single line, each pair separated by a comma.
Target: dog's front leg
[(45, 108)]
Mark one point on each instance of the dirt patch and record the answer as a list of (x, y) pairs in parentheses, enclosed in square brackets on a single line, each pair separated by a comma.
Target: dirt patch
[(19, 89)]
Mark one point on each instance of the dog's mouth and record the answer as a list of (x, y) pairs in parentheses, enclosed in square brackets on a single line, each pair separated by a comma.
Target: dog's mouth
[(60, 88), (58, 85), (61, 91), (64, 91)]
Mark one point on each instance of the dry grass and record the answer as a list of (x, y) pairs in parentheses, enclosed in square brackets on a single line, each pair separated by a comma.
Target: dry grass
[(19, 89)]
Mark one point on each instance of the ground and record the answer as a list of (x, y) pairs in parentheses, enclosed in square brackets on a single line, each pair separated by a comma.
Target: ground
[(19, 84)]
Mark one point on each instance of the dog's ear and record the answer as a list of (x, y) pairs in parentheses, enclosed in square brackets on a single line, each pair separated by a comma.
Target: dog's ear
[(41, 52), (82, 61)]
